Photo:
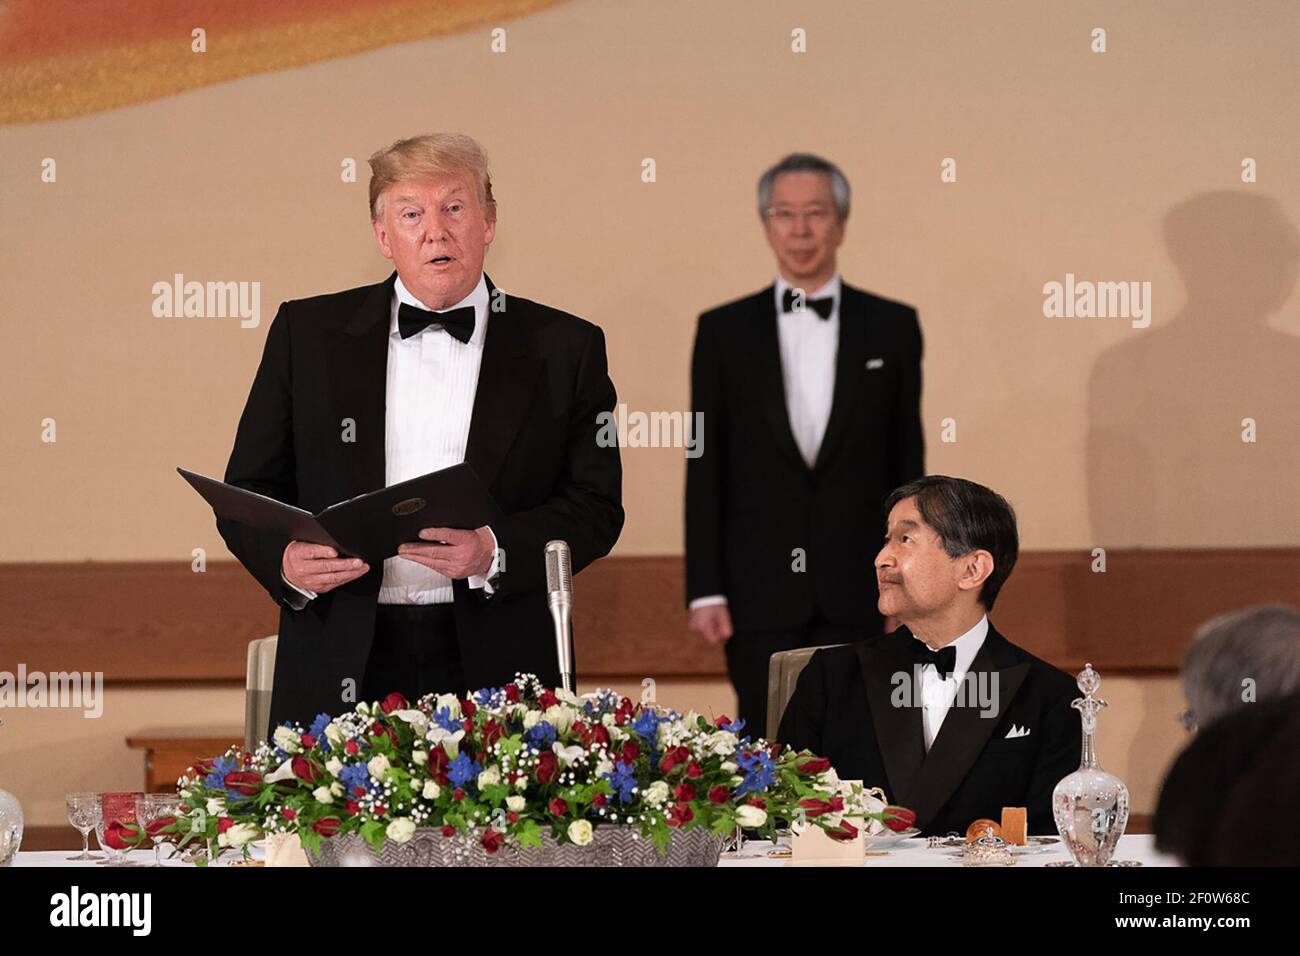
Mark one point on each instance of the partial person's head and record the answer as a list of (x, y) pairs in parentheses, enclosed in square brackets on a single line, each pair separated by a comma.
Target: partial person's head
[(950, 545), (432, 210), (804, 203), (1241, 657)]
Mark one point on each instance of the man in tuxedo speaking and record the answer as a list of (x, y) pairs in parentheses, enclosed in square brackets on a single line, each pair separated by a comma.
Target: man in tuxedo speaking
[(433, 366), (810, 393), (888, 710)]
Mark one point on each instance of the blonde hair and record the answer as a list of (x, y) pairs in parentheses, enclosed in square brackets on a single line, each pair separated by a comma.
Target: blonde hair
[(422, 156)]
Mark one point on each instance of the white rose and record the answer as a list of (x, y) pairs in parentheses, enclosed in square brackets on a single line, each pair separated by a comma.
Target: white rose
[(216, 806), (334, 765), (419, 758), (401, 830), (729, 767), (336, 788), (656, 793), (489, 777), (516, 803), (617, 735), (378, 766), (560, 717), (750, 817), (288, 740), (568, 697), (240, 834), (608, 720), (521, 782), (722, 742), (605, 766), (323, 794), (334, 734), (431, 790), (580, 832), (532, 719), (450, 701)]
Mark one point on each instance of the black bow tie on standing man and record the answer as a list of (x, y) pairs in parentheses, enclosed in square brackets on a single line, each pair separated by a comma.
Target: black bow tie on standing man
[(821, 306), (944, 659), (458, 323)]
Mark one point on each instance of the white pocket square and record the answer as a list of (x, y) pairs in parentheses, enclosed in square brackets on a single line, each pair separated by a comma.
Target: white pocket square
[(1017, 731), (875, 363)]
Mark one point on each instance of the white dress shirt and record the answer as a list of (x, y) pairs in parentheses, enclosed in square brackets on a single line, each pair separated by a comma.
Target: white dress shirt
[(429, 398), (937, 694), (809, 346)]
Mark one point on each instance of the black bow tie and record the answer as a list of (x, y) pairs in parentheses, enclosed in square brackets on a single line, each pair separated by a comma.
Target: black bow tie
[(944, 659), (821, 306), (459, 323)]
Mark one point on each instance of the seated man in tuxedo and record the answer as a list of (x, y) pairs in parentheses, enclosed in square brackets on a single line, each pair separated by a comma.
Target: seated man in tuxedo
[(887, 710)]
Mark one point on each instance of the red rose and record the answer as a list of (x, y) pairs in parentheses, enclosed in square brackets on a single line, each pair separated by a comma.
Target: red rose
[(308, 741), (599, 800), (722, 720), (512, 693), (693, 770), (599, 734), (351, 748), (512, 817), (547, 699), (352, 807), (774, 750), (392, 702), (492, 732), (757, 802), (380, 809), (684, 791), (303, 770), (467, 725), (327, 826), (358, 791), (547, 768), (718, 794), (458, 794), (224, 824), (814, 808), (289, 813), (159, 825), (672, 757), (468, 707), (448, 830), (492, 840), (845, 831), (899, 819), (557, 807), (245, 782), (814, 765), (115, 838), (630, 752), (680, 814)]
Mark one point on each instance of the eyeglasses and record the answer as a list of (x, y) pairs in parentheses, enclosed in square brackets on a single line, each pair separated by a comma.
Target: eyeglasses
[(784, 217)]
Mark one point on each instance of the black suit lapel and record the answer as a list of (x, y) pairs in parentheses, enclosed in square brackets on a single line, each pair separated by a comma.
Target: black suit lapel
[(505, 387), (770, 382), (850, 356), (899, 733), (964, 732), (358, 376)]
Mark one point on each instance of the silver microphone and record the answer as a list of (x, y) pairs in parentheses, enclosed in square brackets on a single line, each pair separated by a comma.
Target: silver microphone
[(559, 596)]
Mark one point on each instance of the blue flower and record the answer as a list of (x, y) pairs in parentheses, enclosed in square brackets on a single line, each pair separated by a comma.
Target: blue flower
[(542, 735), (733, 726), (483, 696), (220, 767), (443, 718), (317, 730), (759, 771), (622, 779), (462, 770), (355, 775), (647, 725)]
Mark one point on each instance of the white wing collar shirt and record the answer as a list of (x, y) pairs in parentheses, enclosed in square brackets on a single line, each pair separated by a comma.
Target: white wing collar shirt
[(938, 694)]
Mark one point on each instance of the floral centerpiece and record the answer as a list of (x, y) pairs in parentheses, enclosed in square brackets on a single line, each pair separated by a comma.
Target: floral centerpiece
[(517, 767)]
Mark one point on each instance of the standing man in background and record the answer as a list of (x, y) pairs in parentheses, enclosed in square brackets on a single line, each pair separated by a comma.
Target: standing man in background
[(811, 391)]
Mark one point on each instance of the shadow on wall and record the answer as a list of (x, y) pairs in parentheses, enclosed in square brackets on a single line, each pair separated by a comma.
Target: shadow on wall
[(1166, 459)]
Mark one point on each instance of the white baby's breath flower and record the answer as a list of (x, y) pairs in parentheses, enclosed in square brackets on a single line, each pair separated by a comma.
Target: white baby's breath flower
[(431, 790), (288, 740), (580, 832)]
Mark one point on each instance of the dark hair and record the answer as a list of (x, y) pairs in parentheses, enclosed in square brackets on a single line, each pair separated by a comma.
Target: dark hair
[(968, 517)]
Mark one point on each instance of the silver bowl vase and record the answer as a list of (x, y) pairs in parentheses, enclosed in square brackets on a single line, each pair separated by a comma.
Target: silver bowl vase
[(610, 846)]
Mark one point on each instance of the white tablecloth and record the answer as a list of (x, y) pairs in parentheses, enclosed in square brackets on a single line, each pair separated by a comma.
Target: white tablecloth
[(911, 852), (914, 852)]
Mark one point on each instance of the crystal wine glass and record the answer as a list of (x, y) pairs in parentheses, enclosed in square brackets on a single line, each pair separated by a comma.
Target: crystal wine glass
[(82, 808), (115, 808), (152, 807)]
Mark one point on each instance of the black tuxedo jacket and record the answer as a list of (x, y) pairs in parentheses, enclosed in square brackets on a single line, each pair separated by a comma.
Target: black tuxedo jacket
[(532, 440), (751, 499), (842, 710)]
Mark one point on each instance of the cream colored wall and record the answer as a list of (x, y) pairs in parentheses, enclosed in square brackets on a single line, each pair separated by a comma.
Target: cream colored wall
[(1068, 161), (47, 753)]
